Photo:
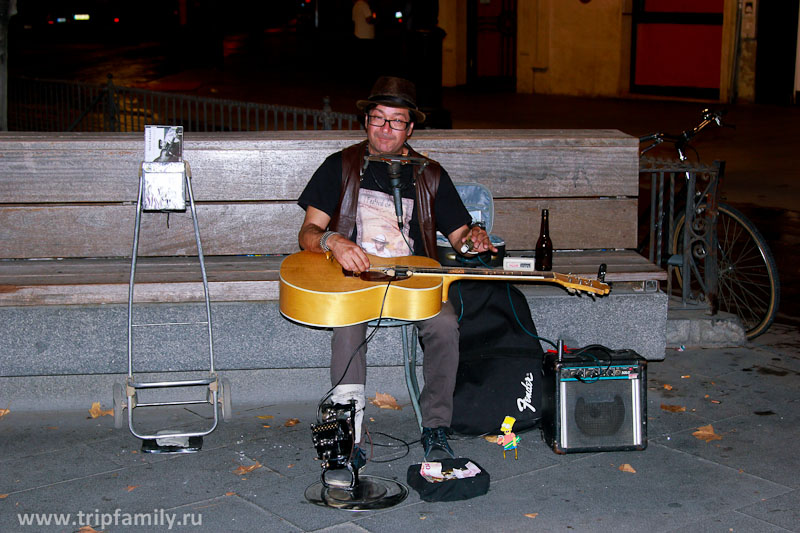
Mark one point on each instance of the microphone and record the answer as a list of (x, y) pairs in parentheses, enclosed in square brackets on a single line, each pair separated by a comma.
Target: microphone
[(394, 179), (395, 161)]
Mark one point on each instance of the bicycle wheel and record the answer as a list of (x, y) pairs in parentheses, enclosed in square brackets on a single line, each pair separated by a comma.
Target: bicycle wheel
[(749, 286)]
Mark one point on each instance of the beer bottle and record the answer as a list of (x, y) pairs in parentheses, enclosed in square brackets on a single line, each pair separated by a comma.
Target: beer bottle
[(544, 246)]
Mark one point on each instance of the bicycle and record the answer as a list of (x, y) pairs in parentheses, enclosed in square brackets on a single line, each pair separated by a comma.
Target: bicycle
[(720, 258)]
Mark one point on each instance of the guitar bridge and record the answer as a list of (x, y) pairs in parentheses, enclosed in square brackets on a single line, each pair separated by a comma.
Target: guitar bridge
[(385, 274)]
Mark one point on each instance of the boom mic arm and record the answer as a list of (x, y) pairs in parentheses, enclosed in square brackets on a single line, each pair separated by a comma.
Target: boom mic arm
[(394, 158)]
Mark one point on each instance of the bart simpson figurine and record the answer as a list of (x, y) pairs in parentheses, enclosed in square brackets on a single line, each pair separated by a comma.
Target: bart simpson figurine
[(508, 440)]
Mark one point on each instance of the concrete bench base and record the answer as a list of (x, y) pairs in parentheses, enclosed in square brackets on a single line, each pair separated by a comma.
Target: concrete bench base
[(58, 340), (69, 356)]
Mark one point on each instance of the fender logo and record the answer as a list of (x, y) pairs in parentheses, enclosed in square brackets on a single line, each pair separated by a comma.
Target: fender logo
[(525, 402)]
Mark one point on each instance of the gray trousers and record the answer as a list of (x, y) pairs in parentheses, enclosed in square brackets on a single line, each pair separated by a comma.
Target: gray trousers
[(439, 339)]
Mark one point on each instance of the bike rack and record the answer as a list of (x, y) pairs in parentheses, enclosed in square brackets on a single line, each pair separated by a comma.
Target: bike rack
[(700, 184)]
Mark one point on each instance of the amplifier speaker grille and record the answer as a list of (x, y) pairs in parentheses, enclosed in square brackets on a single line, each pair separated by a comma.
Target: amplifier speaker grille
[(595, 406)]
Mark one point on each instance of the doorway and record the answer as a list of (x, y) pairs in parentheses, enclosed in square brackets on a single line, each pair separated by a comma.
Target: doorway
[(492, 44), (677, 47), (776, 51)]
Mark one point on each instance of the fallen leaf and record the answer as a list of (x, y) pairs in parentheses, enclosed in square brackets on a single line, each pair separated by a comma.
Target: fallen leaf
[(3, 496), (89, 529), (423, 517), (706, 433), (627, 468), (371, 419), (4, 412), (673, 408), (291, 422), (384, 401), (51, 427), (131, 488), (531, 515), (242, 470), (667, 386), (715, 401), (266, 426), (290, 466), (230, 494), (687, 376), (707, 396), (265, 417), (491, 438), (97, 411)]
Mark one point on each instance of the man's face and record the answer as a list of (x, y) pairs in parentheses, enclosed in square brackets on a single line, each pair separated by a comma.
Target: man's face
[(384, 139)]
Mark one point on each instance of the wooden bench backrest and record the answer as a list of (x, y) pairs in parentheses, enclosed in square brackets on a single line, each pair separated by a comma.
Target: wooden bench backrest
[(74, 195)]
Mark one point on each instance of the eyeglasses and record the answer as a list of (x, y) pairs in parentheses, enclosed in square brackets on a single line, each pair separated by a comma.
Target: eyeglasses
[(395, 124)]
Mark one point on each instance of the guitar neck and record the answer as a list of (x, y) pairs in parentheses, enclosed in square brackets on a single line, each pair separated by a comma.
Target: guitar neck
[(449, 275), (483, 274)]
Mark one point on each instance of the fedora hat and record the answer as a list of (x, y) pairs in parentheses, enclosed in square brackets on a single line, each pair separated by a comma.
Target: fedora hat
[(393, 92)]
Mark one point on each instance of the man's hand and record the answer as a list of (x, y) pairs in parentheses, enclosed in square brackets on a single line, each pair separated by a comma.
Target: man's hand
[(476, 234), (348, 254)]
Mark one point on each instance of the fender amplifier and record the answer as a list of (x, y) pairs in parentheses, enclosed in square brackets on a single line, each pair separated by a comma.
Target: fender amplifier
[(595, 399)]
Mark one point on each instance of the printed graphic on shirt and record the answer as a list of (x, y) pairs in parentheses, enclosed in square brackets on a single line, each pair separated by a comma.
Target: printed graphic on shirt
[(377, 224)]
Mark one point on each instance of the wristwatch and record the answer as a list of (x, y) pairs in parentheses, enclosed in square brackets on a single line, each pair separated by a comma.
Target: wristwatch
[(323, 241)]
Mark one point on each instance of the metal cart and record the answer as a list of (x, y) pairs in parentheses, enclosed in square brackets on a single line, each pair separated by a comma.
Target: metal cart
[(163, 188)]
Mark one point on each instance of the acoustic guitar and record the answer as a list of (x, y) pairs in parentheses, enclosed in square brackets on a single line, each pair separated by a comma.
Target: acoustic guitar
[(315, 290)]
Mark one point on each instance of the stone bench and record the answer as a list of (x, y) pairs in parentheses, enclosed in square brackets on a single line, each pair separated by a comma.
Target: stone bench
[(66, 232)]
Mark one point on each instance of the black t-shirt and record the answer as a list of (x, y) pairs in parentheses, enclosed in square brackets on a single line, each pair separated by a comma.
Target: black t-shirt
[(376, 205)]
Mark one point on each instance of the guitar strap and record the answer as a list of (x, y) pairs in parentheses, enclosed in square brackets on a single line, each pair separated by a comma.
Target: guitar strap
[(427, 184)]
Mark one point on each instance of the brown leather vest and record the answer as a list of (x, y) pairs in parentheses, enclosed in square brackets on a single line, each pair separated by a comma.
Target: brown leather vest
[(426, 181)]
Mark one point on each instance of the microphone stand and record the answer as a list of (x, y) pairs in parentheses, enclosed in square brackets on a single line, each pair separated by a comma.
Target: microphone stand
[(394, 179)]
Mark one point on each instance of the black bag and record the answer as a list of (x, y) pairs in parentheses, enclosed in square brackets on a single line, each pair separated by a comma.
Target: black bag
[(451, 490), (500, 367)]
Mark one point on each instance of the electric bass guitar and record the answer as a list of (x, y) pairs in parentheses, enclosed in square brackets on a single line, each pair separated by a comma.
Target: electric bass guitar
[(315, 290)]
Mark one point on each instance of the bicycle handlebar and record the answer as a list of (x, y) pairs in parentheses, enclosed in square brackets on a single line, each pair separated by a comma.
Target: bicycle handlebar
[(681, 141)]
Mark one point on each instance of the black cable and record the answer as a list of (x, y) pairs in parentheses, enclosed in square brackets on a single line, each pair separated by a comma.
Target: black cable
[(519, 322), (366, 340), (584, 352), (402, 234), (461, 300), (403, 444)]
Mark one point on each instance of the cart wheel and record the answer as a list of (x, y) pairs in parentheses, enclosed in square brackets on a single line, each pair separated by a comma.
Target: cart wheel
[(225, 398), (120, 402)]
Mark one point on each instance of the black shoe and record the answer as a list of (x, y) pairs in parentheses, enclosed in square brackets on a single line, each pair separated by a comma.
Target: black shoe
[(343, 477), (434, 443)]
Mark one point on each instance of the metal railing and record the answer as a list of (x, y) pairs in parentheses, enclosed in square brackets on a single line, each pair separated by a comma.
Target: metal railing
[(676, 191), (45, 105)]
